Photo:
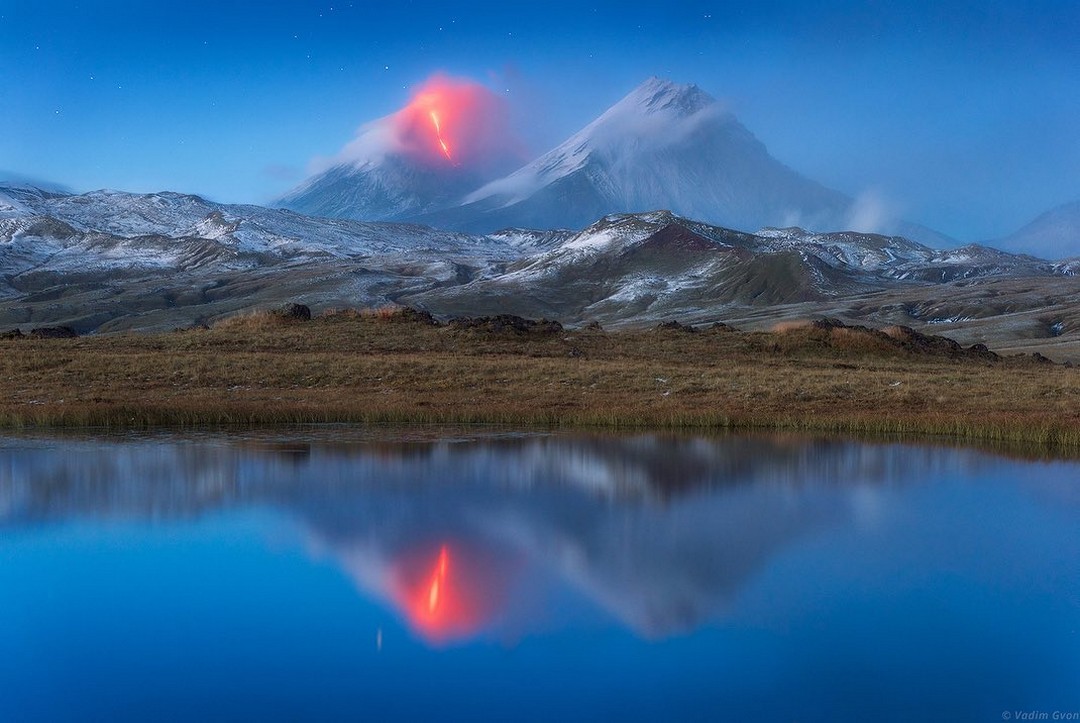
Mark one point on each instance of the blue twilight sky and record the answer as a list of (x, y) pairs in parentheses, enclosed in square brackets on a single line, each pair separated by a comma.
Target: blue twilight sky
[(964, 116)]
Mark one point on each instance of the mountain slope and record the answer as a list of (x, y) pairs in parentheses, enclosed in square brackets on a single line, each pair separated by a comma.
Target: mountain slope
[(637, 268), (387, 188), (662, 146), (11, 179), (1053, 235), (109, 260), (450, 138)]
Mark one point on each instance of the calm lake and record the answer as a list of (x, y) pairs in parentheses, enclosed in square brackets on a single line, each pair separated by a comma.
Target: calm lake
[(344, 575)]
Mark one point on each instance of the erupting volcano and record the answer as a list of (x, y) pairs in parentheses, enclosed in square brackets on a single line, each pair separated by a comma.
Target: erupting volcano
[(455, 121), (664, 146), (450, 137)]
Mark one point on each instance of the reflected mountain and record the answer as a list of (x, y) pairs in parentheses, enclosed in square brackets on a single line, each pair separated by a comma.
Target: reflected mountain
[(473, 537)]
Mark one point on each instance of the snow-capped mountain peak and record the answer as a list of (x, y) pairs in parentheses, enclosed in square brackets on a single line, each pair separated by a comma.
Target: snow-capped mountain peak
[(655, 97), (657, 93), (657, 113), (664, 145)]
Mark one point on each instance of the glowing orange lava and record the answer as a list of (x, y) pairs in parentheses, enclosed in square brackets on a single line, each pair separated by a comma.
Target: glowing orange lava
[(438, 134), (456, 125), (432, 119)]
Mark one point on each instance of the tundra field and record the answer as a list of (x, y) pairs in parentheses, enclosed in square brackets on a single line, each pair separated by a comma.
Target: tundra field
[(399, 366)]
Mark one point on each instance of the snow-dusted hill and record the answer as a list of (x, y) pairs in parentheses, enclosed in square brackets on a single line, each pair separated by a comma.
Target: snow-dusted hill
[(107, 261), (1068, 267), (109, 258), (895, 257), (658, 265), (247, 230)]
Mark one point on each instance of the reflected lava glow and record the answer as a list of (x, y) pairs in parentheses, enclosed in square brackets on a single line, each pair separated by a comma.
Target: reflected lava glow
[(440, 597), (438, 581)]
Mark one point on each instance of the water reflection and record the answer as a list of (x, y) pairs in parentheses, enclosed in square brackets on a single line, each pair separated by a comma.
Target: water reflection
[(472, 537), (642, 577), (444, 596)]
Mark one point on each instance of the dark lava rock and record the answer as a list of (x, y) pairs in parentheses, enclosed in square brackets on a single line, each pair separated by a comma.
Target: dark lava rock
[(909, 340), (415, 316), (675, 326), (13, 334), (1033, 359), (53, 332), (506, 323), (934, 345), (296, 312), (828, 324), (981, 351)]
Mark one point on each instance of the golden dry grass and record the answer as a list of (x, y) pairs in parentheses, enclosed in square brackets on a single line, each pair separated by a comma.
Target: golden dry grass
[(381, 367), (252, 321), (783, 327)]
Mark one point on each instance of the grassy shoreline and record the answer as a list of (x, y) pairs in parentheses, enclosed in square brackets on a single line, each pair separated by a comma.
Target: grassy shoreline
[(400, 369)]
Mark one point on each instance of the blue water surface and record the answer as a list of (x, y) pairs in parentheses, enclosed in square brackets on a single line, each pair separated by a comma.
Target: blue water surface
[(340, 575)]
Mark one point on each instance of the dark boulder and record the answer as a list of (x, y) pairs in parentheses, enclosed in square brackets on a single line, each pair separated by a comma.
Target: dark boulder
[(829, 324), (53, 332), (981, 351), (415, 316), (930, 344), (675, 326), (294, 312), (197, 326), (506, 323)]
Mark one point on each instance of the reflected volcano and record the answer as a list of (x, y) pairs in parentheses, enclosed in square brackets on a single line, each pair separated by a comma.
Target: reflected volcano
[(478, 537), (445, 592), (645, 577)]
